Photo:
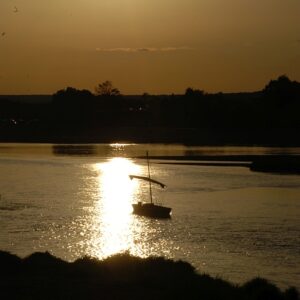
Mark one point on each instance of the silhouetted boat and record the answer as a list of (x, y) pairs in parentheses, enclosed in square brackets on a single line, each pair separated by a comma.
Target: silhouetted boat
[(150, 209)]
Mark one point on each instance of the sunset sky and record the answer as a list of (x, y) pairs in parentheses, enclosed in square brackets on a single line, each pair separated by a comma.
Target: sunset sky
[(154, 46)]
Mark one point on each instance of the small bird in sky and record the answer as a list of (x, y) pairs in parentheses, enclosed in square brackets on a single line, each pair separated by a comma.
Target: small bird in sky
[(16, 9), (3, 33)]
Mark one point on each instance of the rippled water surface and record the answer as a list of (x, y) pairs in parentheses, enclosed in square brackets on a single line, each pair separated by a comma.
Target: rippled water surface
[(76, 200)]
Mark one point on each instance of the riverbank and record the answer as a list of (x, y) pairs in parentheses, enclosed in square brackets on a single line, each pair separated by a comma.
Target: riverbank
[(43, 276), (281, 164)]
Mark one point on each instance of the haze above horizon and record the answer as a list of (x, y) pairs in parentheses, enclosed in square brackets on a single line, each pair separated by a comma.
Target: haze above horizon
[(157, 46)]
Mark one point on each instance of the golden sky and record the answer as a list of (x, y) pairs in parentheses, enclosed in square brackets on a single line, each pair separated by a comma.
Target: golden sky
[(154, 46)]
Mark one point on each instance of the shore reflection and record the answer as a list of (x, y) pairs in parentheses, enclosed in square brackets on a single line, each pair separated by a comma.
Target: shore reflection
[(112, 218)]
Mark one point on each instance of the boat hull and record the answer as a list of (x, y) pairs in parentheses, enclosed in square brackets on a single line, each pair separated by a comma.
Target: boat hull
[(151, 210)]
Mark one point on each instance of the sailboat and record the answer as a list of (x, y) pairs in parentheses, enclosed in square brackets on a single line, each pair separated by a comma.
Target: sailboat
[(150, 209)]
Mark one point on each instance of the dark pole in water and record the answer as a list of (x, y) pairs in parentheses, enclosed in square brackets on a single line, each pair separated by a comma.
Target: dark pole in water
[(150, 187)]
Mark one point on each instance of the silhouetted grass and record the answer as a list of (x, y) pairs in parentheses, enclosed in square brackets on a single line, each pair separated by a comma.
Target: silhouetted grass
[(122, 276)]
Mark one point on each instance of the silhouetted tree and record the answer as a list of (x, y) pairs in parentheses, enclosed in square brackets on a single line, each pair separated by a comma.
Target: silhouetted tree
[(190, 92), (72, 105), (282, 103), (71, 93), (106, 88), (193, 106), (282, 89)]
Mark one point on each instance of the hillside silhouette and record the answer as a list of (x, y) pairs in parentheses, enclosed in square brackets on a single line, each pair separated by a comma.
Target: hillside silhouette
[(43, 276), (266, 117)]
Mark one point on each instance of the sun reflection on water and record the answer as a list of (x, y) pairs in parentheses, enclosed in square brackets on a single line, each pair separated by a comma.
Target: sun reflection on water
[(111, 226), (113, 221)]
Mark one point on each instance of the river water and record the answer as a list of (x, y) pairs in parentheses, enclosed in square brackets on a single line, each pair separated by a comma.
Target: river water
[(227, 221)]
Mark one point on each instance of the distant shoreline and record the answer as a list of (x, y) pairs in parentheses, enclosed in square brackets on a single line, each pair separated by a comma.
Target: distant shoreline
[(151, 135), (269, 117)]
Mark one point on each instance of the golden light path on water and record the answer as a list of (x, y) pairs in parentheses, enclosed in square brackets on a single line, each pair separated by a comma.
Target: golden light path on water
[(112, 220), (113, 223)]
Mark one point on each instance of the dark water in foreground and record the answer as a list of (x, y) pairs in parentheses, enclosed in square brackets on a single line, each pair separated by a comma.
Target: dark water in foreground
[(227, 221)]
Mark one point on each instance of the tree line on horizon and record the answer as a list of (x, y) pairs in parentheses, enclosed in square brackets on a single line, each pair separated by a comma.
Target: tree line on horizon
[(276, 105), (71, 110)]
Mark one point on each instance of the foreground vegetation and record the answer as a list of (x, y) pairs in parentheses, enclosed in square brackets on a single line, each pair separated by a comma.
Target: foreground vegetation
[(43, 276)]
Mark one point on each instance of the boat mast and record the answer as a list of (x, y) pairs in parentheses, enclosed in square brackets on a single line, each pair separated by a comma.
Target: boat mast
[(150, 186)]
